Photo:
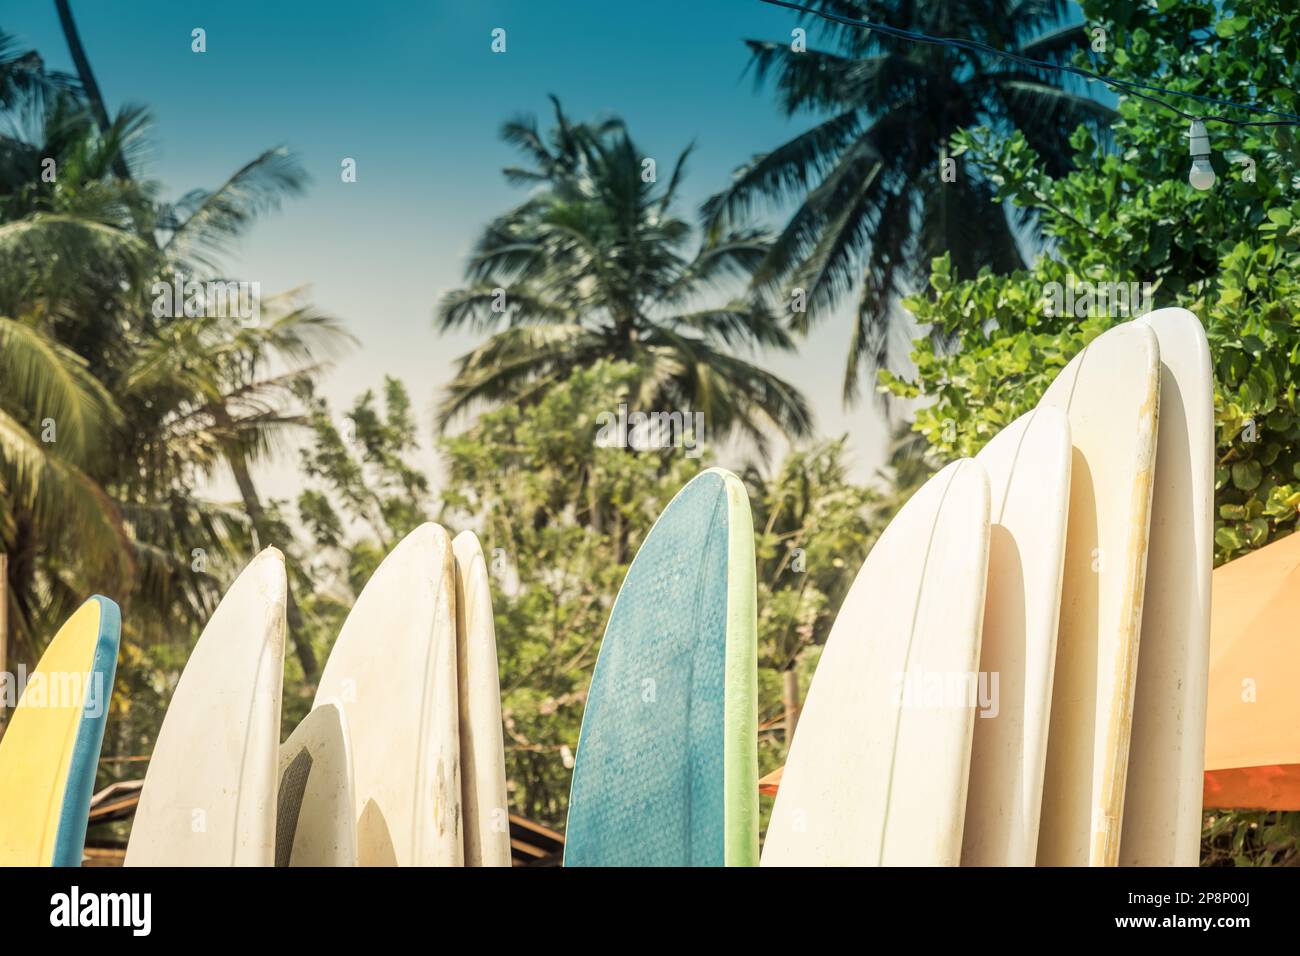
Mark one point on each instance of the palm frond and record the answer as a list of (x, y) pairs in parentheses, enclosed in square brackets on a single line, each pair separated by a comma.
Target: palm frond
[(202, 224)]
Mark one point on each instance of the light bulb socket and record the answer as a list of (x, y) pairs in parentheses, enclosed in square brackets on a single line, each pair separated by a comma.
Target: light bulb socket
[(1200, 140)]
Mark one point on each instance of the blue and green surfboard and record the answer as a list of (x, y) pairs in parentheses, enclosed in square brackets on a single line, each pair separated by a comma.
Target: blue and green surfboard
[(667, 762)]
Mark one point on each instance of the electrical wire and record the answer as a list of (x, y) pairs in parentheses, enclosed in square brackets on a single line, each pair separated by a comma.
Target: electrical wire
[(1129, 87)]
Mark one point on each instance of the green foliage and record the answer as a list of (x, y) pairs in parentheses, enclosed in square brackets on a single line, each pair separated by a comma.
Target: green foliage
[(813, 528), (363, 493), (560, 519), (112, 416), (366, 470), (1127, 214), (1251, 838)]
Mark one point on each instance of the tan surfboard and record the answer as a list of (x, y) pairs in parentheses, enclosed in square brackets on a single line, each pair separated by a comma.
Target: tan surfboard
[(878, 767), (393, 671), (315, 820), (1110, 392), (1028, 464), (210, 792), (1162, 806), (482, 748)]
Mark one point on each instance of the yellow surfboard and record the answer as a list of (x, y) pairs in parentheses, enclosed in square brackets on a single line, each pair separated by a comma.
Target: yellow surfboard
[(49, 753)]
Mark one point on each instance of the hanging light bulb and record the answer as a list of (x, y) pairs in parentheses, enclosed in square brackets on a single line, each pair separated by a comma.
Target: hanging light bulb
[(1202, 173)]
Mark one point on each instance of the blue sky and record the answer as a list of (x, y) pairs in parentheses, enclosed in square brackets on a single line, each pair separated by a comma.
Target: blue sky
[(413, 92)]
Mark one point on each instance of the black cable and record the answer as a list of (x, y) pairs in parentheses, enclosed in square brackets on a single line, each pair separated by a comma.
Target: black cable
[(1129, 87)]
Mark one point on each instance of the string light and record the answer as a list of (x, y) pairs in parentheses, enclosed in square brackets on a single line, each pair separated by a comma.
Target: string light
[(1202, 174)]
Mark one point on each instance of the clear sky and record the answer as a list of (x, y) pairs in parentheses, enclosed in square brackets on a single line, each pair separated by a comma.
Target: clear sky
[(413, 92)]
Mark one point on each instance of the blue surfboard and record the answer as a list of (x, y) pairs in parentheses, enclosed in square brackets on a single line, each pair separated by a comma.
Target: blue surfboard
[(667, 761)]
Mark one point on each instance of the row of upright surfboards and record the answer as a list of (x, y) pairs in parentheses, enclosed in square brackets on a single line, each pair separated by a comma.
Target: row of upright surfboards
[(1070, 560), (399, 762), (1016, 677)]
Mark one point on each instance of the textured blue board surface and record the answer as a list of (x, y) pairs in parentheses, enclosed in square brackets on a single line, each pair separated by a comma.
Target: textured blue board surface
[(70, 841), (648, 784)]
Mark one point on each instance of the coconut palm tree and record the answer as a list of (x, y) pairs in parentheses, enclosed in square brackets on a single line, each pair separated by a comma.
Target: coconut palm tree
[(24, 77), (79, 254), (232, 393), (595, 264), (51, 412), (872, 204)]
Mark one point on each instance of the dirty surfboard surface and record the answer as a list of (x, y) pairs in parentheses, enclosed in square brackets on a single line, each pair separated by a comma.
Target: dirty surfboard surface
[(393, 673), (1162, 801), (1110, 392), (316, 805)]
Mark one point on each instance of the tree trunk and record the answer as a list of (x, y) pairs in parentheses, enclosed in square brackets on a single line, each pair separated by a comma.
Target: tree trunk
[(790, 695), (593, 500), (257, 515), (87, 77)]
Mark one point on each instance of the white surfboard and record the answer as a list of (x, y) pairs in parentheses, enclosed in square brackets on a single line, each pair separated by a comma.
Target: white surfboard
[(315, 817), (1162, 806), (393, 670), (1028, 465), (484, 802), (210, 791), (878, 767), (1110, 391)]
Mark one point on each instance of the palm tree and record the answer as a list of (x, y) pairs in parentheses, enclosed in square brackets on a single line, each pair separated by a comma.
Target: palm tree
[(233, 391), (872, 204), (51, 411), (94, 99), (189, 396), (594, 264), (23, 75)]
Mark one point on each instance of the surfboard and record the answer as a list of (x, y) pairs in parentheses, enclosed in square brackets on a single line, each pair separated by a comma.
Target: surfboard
[(315, 822), (393, 671), (877, 771), (49, 753), (1028, 464), (666, 770), (484, 802), (209, 795), (1162, 805), (1110, 392)]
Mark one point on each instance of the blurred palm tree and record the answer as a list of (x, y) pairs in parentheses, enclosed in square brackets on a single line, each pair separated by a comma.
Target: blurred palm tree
[(147, 404), (872, 205), (594, 264)]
